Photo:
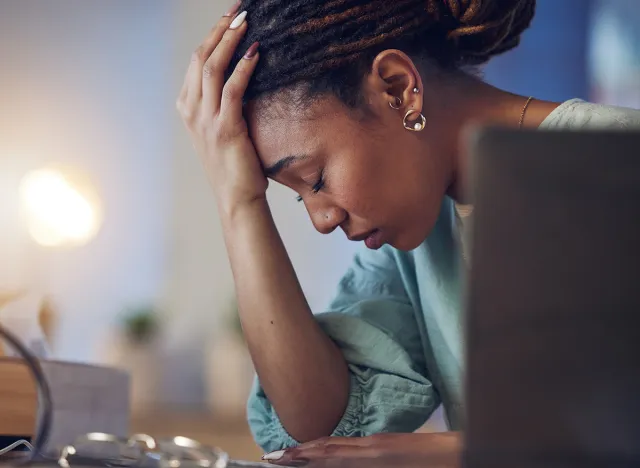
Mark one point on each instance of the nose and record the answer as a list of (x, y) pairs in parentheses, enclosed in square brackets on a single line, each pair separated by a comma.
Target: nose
[(326, 218)]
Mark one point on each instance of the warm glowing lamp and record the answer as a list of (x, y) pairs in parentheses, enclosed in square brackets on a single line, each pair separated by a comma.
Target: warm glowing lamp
[(62, 211), (61, 208)]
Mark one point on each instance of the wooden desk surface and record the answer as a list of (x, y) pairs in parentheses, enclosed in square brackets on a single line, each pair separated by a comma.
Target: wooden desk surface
[(18, 398), (233, 436)]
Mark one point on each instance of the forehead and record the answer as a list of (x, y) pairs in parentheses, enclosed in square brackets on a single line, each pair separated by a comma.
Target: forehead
[(279, 127)]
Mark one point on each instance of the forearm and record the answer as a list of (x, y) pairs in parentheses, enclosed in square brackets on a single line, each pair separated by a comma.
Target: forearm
[(301, 370)]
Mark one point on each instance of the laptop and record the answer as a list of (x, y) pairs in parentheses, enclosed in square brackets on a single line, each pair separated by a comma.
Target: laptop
[(553, 300)]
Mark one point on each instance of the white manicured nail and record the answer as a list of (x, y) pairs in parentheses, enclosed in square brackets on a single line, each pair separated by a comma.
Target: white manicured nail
[(273, 456), (238, 21)]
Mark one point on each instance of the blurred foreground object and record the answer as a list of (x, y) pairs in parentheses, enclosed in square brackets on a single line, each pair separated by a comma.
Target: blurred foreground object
[(85, 399), (553, 324)]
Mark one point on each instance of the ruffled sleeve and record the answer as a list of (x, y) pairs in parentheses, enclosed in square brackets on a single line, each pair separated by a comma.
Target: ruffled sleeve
[(373, 323)]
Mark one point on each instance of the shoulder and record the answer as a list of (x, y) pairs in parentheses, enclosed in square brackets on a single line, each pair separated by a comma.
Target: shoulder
[(577, 114)]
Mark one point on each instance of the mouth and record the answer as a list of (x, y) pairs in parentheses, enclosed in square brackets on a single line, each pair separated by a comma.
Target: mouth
[(372, 239)]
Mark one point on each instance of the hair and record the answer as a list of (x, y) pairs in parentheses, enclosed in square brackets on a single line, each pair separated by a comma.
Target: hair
[(329, 45)]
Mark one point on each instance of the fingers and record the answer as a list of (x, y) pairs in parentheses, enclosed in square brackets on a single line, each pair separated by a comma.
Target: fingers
[(199, 58), (236, 86), (193, 80), (406, 449), (213, 72), (307, 457), (322, 449)]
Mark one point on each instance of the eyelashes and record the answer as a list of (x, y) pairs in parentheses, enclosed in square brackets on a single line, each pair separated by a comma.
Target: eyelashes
[(319, 185)]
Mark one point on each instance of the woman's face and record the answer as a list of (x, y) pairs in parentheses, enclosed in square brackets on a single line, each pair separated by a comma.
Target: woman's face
[(363, 173)]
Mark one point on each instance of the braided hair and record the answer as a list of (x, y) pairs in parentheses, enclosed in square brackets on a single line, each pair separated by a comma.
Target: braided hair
[(329, 45)]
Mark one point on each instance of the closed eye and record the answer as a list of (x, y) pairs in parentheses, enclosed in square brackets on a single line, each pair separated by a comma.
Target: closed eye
[(319, 185)]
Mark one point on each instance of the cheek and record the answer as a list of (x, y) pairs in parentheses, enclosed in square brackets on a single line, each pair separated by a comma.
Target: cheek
[(356, 183)]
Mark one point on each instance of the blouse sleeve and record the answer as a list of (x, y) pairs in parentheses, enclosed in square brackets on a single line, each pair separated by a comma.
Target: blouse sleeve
[(372, 321)]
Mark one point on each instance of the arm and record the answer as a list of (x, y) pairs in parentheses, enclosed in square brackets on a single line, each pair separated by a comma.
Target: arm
[(301, 370), (306, 388), (372, 322)]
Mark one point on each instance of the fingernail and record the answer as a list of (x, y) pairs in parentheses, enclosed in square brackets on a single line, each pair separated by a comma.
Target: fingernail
[(252, 51), (238, 21), (233, 10), (273, 456)]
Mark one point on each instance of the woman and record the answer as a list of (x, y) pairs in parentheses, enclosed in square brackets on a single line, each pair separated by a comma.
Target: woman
[(357, 105)]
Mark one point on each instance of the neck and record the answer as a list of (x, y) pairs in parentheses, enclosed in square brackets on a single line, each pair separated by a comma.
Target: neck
[(459, 102)]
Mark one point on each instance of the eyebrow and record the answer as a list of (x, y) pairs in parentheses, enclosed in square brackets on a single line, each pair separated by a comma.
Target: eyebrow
[(282, 164)]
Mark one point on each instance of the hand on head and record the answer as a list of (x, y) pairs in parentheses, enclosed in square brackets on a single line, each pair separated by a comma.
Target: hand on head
[(212, 110)]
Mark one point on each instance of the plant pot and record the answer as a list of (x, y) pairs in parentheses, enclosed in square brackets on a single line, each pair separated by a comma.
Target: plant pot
[(142, 362), (228, 376)]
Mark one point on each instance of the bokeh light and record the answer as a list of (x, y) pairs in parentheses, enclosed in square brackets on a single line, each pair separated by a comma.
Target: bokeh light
[(62, 209)]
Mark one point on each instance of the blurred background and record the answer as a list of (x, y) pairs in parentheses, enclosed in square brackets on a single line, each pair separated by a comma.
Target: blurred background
[(106, 217)]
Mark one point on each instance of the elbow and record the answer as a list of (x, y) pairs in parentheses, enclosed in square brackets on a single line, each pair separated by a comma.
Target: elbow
[(322, 411), (320, 415)]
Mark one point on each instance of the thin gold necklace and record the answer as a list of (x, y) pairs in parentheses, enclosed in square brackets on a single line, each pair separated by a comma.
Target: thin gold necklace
[(524, 111)]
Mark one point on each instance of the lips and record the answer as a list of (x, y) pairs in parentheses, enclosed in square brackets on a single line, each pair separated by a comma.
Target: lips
[(372, 239)]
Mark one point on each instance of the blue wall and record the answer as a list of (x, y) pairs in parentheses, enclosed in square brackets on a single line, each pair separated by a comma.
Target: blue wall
[(551, 63)]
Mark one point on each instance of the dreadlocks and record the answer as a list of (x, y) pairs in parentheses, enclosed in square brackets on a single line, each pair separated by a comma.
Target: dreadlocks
[(329, 45)]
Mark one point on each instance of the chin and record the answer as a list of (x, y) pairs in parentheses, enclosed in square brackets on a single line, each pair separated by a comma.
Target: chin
[(407, 243), (412, 238)]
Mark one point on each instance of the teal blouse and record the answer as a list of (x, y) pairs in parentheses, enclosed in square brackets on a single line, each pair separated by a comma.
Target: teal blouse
[(397, 317)]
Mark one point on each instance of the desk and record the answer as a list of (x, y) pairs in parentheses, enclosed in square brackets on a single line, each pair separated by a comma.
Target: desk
[(84, 399), (18, 399), (232, 436)]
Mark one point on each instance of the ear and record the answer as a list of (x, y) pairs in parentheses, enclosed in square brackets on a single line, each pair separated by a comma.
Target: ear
[(394, 76)]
